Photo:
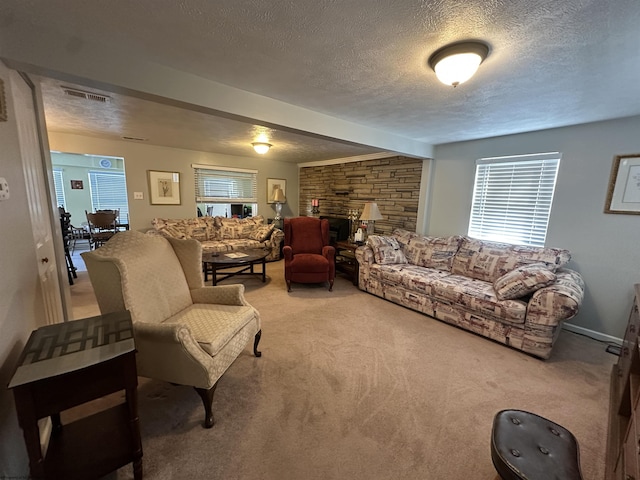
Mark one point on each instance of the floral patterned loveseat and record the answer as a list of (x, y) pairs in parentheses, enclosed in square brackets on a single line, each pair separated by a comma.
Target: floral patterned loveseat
[(515, 295), (221, 234)]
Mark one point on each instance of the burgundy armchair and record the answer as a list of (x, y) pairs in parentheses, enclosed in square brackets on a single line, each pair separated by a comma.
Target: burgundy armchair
[(308, 257)]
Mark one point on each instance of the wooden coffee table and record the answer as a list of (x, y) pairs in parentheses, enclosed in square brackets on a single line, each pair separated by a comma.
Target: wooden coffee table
[(242, 260)]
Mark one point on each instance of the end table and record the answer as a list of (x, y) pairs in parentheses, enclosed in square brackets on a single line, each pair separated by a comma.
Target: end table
[(68, 364), (346, 260)]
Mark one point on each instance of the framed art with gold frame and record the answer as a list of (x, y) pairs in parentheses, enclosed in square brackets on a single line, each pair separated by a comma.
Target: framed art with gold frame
[(3, 103), (274, 184), (623, 194)]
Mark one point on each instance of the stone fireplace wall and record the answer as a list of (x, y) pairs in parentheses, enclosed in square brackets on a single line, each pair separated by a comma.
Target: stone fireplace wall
[(393, 183)]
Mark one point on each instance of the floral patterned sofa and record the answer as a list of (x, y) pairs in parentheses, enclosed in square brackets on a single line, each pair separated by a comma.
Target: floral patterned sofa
[(515, 295), (221, 234)]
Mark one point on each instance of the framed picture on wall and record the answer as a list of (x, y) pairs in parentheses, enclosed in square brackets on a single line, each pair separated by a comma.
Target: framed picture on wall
[(3, 103), (623, 194), (273, 184), (164, 187)]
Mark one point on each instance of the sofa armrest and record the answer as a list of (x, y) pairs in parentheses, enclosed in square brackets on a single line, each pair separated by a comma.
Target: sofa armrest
[(221, 295), (560, 301), (274, 242), (364, 255)]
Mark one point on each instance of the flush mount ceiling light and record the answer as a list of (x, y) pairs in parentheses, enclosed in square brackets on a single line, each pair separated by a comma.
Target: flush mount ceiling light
[(261, 147), (456, 63)]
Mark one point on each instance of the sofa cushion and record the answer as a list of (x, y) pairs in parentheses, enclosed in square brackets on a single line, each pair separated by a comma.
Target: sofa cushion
[(478, 296), (523, 281), (213, 325), (386, 250), (262, 233), (403, 237), (488, 261), (432, 252), (234, 228)]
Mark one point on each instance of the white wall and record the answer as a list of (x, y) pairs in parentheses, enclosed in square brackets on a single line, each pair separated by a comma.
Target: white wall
[(139, 157), (21, 307), (605, 247)]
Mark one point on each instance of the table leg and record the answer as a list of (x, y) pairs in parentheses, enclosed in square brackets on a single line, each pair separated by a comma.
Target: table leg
[(264, 270)]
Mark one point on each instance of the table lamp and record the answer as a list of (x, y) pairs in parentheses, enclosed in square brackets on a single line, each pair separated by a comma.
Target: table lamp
[(370, 214), (279, 198)]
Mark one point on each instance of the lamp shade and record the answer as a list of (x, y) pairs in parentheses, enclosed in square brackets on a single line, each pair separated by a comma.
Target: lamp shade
[(371, 212), (279, 197), (455, 64)]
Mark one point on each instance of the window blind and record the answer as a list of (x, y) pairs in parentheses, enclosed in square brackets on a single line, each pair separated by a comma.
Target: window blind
[(58, 185), (220, 185), (512, 198), (109, 192)]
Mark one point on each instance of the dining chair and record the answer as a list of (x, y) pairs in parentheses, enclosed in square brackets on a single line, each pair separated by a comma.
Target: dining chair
[(102, 226)]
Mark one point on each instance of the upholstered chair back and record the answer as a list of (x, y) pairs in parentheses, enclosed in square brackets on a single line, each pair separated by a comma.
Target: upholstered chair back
[(132, 265), (306, 234)]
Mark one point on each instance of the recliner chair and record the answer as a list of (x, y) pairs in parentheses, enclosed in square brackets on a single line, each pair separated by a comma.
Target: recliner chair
[(308, 257), (185, 333)]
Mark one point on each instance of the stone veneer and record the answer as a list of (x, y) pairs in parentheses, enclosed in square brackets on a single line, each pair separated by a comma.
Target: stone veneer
[(393, 183)]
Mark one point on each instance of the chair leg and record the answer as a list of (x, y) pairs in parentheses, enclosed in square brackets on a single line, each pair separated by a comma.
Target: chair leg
[(256, 352), (331, 285), (288, 285), (207, 400)]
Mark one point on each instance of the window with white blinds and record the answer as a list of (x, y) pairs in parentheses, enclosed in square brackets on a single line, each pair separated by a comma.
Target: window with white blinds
[(109, 192), (225, 185), (512, 198), (58, 185)]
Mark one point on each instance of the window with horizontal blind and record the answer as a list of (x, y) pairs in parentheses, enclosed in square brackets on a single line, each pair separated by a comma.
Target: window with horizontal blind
[(512, 198), (225, 185), (109, 192), (58, 185)]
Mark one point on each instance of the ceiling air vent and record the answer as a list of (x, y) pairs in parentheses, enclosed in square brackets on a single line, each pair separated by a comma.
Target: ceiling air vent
[(74, 92)]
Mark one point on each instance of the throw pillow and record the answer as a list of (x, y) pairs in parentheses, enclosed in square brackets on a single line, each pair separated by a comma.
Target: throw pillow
[(386, 250), (262, 233), (523, 280)]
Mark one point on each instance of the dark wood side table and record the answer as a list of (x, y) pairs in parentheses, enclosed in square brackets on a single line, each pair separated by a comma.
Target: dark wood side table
[(243, 260), (346, 260), (68, 364)]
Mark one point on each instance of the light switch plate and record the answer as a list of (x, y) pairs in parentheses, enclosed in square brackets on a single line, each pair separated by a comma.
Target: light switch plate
[(4, 189), (138, 196)]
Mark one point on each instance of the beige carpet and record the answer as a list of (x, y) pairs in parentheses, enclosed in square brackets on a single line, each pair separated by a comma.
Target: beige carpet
[(353, 387)]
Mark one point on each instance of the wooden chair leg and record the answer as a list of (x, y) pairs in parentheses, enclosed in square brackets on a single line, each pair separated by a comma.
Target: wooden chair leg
[(331, 285), (256, 352), (207, 400)]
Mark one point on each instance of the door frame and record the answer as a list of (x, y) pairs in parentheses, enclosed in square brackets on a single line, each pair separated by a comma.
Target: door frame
[(52, 208)]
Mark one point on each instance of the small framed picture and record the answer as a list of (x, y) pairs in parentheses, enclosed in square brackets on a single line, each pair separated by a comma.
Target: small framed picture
[(164, 187), (623, 194), (3, 103), (77, 185), (273, 185)]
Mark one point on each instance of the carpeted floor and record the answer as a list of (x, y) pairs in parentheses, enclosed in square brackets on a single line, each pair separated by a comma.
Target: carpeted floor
[(354, 387)]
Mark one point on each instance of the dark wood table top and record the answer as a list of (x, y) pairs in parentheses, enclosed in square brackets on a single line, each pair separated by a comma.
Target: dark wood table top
[(237, 257)]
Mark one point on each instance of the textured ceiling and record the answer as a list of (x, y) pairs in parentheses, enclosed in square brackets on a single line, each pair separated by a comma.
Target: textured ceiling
[(160, 124), (551, 63)]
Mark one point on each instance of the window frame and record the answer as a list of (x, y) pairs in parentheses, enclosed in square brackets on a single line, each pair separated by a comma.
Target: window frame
[(103, 202), (513, 197), (234, 176), (58, 186)]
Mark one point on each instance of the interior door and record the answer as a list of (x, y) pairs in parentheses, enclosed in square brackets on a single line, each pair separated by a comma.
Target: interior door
[(38, 197)]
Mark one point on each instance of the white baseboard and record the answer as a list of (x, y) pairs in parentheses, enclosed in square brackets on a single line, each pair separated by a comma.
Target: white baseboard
[(592, 333)]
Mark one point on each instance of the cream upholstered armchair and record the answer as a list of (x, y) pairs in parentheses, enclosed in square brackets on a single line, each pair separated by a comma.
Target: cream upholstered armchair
[(185, 333)]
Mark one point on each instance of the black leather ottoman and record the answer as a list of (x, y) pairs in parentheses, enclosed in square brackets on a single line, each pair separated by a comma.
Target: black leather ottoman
[(527, 446)]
